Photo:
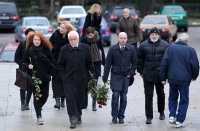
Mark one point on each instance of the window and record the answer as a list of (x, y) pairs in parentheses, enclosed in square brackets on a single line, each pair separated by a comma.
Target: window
[(154, 20), (72, 11), (8, 55), (7, 9), (174, 11), (36, 22)]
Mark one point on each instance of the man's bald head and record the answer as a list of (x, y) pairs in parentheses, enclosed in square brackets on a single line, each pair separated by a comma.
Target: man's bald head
[(122, 38)]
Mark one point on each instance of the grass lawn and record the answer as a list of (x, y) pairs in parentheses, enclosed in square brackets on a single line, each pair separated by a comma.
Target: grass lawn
[(194, 20)]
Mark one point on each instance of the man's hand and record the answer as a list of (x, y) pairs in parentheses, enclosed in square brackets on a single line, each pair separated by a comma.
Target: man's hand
[(163, 82)]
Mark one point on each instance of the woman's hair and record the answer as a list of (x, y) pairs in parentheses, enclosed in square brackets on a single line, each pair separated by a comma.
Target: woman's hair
[(44, 41), (126, 10), (93, 8), (90, 30), (28, 30), (68, 25)]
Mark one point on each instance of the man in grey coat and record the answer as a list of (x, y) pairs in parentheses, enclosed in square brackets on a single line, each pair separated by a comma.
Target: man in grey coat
[(122, 60)]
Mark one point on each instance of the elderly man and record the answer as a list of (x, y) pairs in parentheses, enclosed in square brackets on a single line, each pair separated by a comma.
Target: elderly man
[(73, 63), (130, 26), (150, 54), (180, 66), (122, 60)]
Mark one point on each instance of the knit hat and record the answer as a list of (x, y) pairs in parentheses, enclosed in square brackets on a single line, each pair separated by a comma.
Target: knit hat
[(28, 30), (154, 30)]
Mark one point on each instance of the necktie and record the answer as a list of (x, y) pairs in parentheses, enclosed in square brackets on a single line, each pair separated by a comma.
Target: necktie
[(122, 48)]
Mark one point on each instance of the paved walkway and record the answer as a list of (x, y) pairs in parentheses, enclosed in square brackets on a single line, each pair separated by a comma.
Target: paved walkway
[(13, 119)]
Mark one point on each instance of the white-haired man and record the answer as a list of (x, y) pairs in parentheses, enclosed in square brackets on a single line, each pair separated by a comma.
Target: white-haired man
[(73, 63), (180, 66), (130, 26)]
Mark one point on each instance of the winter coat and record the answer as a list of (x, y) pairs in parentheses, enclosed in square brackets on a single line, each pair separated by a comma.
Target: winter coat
[(73, 65), (43, 66), (132, 29), (94, 21), (179, 64), (58, 41), (149, 58), (19, 53), (121, 63)]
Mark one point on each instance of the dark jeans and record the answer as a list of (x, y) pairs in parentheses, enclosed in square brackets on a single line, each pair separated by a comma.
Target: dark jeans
[(118, 110), (148, 90), (57, 87), (135, 45), (174, 91), (25, 96), (38, 104)]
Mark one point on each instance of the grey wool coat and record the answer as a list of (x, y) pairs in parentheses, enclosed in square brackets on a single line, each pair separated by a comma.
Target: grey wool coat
[(121, 63), (73, 65)]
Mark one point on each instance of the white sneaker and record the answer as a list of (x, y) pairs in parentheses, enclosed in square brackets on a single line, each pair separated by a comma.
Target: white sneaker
[(40, 121), (172, 120), (180, 125)]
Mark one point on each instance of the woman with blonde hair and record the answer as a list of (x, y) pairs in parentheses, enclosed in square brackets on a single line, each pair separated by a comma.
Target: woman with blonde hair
[(93, 19), (58, 39), (38, 57)]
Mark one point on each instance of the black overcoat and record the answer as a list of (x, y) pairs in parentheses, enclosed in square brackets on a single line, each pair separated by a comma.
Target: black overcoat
[(58, 41), (44, 70), (73, 65), (121, 63), (19, 53)]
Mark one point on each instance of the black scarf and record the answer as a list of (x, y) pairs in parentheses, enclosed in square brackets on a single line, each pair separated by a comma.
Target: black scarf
[(38, 48)]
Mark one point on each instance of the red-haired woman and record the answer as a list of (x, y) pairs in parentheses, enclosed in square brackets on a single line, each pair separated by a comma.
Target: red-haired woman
[(38, 57)]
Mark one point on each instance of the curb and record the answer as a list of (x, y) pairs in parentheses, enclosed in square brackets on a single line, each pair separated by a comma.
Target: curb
[(194, 24)]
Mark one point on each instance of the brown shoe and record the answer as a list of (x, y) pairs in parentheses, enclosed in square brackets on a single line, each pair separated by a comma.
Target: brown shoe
[(79, 120), (73, 126)]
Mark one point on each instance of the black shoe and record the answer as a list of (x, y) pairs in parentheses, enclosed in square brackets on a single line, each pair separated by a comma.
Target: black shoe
[(57, 105), (26, 106), (62, 101), (114, 120), (79, 120), (148, 121), (73, 126), (23, 106), (121, 121), (162, 116)]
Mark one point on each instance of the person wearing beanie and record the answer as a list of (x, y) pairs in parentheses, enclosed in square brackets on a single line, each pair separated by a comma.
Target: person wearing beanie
[(150, 53), (25, 96)]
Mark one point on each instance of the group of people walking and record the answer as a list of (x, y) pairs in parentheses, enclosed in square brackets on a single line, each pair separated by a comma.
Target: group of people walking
[(69, 59)]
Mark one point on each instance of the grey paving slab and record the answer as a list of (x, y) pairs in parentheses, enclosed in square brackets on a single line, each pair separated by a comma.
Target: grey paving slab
[(13, 119)]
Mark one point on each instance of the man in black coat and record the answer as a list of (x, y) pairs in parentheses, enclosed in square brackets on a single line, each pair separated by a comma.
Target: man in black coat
[(73, 64), (180, 66), (150, 54), (122, 60), (24, 96)]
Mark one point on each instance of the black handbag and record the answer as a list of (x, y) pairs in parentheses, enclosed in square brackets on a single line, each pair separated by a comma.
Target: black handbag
[(22, 79), (131, 80)]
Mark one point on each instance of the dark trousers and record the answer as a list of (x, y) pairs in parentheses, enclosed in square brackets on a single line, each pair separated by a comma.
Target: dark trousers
[(73, 109), (149, 91), (25, 96), (57, 87), (135, 45), (119, 110), (38, 104), (174, 92)]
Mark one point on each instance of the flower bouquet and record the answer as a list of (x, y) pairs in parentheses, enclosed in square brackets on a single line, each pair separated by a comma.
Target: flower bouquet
[(36, 83), (100, 92)]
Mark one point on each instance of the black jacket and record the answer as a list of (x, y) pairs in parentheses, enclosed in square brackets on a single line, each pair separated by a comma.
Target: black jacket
[(121, 63), (94, 21), (58, 41), (149, 58), (99, 45), (19, 53), (44, 67)]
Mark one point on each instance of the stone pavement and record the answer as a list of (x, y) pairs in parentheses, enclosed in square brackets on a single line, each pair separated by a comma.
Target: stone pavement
[(13, 119)]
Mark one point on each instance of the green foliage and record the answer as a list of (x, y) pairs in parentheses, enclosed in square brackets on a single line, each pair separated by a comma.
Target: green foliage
[(36, 82)]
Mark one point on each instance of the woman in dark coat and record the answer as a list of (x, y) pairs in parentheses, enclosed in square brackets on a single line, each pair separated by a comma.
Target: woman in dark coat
[(58, 39), (38, 57), (25, 96), (97, 52), (93, 19)]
